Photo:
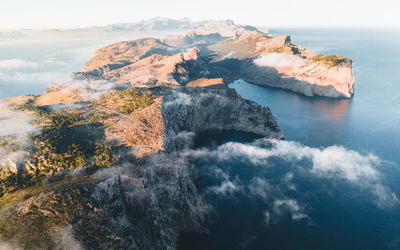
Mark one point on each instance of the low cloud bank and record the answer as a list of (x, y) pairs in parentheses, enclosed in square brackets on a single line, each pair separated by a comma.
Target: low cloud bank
[(88, 90), (276, 184), (9, 246), (180, 99), (17, 63), (29, 78), (14, 127), (279, 60), (14, 123), (65, 239)]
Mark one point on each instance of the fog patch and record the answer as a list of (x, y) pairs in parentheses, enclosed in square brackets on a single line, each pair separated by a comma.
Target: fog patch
[(14, 123), (62, 106), (17, 63), (276, 199), (31, 78), (9, 246), (179, 98), (88, 89), (333, 164), (14, 129), (279, 60), (227, 187), (290, 205), (64, 238)]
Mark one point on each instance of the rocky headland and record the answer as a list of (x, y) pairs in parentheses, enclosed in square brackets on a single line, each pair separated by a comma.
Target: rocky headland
[(99, 159), (250, 55)]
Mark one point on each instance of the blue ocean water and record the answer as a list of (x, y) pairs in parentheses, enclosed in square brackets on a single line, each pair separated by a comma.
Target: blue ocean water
[(264, 199), (29, 66), (333, 184)]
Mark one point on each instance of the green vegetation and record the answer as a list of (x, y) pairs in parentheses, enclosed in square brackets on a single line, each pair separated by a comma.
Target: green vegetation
[(59, 202), (330, 60), (68, 139), (98, 116), (126, 101)]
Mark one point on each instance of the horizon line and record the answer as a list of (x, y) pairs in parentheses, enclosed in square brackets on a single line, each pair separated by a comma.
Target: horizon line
[(273, 26)]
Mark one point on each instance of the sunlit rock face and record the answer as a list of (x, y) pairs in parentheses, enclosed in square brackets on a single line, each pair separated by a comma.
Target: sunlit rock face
[(305, 76), (275, 62), (147, 198), (242, 53), (145, 62)]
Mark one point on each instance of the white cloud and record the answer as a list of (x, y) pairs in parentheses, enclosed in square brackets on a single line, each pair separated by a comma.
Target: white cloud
[(9, 246), (17, 63), (11, 159), (291, 206), (180, 99), (226, 188), (89, 90), (65, 239), (30, 78), (14, 123), (279, 60), (262, 188), (61, 106), (274, 196), (332, 163), (267, 218), (14, 127)]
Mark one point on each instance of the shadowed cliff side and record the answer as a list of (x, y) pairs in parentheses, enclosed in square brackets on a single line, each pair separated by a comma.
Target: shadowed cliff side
[(128, 187)]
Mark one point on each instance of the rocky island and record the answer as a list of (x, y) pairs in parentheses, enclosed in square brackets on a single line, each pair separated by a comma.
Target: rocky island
[(99, 161)]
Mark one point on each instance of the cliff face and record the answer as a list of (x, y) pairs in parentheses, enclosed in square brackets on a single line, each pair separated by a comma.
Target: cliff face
[(121, 54), (104, 166), (135, 206), (197, 109), (305, 76), (275, 62), (243, 54), (109, 171), (145, 62)]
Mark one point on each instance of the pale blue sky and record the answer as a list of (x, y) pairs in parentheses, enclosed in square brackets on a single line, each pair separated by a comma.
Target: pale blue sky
[(16, 14)]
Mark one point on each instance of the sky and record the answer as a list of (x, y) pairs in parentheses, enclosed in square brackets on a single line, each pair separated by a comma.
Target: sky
[(44, 14)]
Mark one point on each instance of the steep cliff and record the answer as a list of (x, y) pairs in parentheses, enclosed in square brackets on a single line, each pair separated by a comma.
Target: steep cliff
[(99, 162), (110, 172), (245, 54), (275, 62), (197, 109), (310, 77), (145, 62)]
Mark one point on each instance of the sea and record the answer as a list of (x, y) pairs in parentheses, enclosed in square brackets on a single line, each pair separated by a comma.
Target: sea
[(333, 183)]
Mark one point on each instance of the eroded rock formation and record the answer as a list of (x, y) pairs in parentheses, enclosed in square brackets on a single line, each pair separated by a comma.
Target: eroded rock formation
[(105, 166)]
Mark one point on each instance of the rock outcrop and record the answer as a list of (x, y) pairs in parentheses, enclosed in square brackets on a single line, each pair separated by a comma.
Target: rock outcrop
[(122, 54), (145, 62), (106, 165), (246, 54), (149, 198), (301, 75), (145, 194), (198, 109), (275, 62)]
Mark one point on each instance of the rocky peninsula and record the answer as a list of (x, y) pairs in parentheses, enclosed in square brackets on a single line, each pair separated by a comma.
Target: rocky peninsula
[(100, 162)]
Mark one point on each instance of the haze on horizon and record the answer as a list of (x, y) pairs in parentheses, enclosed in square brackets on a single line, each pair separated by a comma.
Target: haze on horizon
[(45, 14)]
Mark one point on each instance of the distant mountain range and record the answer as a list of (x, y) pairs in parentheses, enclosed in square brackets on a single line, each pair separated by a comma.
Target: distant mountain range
[(163, 26)]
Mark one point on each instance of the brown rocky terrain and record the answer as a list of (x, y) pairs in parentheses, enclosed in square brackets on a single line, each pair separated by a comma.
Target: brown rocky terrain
[(102, 168), (249, 55), (98, 161), (275, 62)]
